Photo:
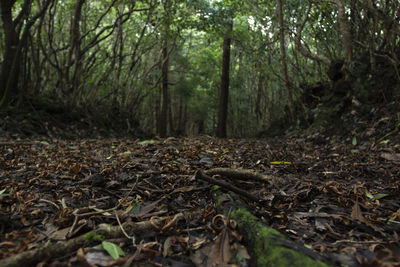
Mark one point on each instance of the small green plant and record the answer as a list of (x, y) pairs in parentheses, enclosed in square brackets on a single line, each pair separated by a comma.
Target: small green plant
[(112, 249), (91, 236), (375, 197), (2, 194), (354, 141)]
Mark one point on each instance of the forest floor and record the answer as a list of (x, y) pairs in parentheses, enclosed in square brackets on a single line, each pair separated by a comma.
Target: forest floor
[(336, 195)]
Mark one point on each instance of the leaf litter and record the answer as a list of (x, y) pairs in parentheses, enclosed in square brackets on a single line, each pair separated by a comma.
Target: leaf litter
[(319, 191)]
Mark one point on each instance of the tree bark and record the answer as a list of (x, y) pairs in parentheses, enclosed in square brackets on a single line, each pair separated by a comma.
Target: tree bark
[(10, 53), (289, 93), (75, 56), (304, 51), (346, 34), (224, 91), (165, 103), (10, 70), (118, 49)]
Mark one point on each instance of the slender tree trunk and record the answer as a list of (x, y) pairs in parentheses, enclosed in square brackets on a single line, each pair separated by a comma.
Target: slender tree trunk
[(171, 117), (164, 104), (260, 88), (75, 55), (302, 49), (10, 53), (184, 122), (345, 30), (117, 54), (14, 44), (372, 47), (224, 91), (289, 92)]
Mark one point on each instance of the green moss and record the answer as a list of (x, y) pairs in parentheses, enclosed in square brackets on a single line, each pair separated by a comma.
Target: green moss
[(268, 250), (92, 236)]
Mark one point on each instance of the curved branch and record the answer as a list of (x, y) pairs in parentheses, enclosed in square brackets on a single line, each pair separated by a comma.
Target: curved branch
[(388, 21), (304, 51)]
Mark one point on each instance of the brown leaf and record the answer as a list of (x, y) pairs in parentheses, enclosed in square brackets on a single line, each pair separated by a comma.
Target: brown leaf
[(148, 208), (220, 252), (356, 213), (81, 258), (391, 156)]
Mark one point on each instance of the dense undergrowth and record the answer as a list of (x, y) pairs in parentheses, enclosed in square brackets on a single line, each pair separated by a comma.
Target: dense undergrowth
[(345, 106)]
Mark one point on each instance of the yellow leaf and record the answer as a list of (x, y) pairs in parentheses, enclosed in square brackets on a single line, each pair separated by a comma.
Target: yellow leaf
[(280, 163)]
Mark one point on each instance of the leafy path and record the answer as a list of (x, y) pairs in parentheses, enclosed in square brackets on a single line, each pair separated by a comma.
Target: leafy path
[(337, 196)]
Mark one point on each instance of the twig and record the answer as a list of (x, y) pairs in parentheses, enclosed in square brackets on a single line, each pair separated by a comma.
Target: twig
[(77, 216), (131, 237), (18, 143), (53, 250), (241, 174), (50, 202), (201, 175)]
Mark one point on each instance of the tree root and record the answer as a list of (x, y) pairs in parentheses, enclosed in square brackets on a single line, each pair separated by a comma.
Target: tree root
[(244, 175), (61, 248)]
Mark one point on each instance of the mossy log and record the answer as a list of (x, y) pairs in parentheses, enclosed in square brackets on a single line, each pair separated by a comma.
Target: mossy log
[(53, 250), (267, 246)]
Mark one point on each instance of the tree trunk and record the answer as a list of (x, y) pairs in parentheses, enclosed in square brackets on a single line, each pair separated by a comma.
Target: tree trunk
[(260, 88), (303, 50), (346, 34), (224, 91), (289, 93), (9, 79), (75, 55), (164, 105), (118, 49), (10, 69)]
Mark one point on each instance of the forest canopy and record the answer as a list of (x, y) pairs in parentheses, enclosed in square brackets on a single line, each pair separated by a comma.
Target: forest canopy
[(182, 67)]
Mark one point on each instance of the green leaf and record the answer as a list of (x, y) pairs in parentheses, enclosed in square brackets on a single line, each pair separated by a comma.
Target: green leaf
[(126, 153), (384, 142), (368, 194), (280, 163), (91, 236), (112, 249), (375, 197), (146, 142), (135, 208), (44, 143), (2, 193), (216, 187), (354, 141), (381, 195)]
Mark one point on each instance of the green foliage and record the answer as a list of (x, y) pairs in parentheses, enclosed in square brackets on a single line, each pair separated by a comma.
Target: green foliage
[(115, 60), (92, 236), (135, 208), (112, 249), (2, 194)]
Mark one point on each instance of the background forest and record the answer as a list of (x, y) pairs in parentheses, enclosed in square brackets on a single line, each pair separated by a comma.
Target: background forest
[(186, 67)]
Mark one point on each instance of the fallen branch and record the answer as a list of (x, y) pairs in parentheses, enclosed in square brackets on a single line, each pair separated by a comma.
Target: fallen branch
[(17, 143), (268, 246), (60, 248), (202, 176), (242, 174)]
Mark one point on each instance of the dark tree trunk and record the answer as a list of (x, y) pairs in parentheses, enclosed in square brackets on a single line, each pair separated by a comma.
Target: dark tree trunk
[(289, 93), (164, 105), (9, 76), (224, 91), (14, 43), (260, 88), (118, 49), (345, 31), (75, 56)]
